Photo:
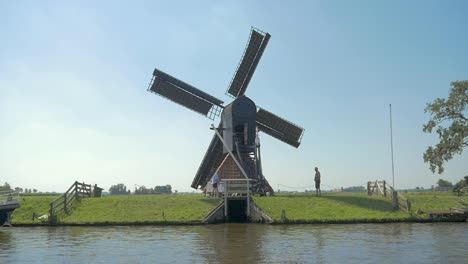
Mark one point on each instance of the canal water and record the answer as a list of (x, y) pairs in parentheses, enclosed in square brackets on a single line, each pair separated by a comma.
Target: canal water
[(238, 243)]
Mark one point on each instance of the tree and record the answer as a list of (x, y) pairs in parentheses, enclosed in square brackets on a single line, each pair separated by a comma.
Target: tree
[(5, 187), (444, 183), (461, 186), (163, 189), (143, 190), (453, 138), (354, 189), (118, 189)]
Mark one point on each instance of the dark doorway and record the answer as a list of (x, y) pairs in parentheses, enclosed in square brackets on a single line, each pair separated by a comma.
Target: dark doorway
[(237, 211)]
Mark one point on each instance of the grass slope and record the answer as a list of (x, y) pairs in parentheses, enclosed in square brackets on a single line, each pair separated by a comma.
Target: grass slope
[(135, 209), (429, 201), (29, 205), (330, 207), (141, 209)]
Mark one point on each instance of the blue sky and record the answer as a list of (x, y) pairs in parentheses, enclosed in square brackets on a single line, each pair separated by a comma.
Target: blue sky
[(74, 105)]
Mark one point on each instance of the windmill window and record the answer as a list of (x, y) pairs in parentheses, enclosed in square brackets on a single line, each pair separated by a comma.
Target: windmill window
[(239, 132)]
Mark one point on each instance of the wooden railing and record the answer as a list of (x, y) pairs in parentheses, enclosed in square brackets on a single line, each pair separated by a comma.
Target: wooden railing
[(65, 202), (236, 189), (9, 196), (377, 187), (386, 190)]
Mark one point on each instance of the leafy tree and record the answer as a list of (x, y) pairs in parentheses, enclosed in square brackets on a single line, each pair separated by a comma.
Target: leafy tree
[(453, 138), (34, 191), (118, 189), (143, 190), (444, 183), (354, 189), (461, 186), (163, 189), (5, 187)]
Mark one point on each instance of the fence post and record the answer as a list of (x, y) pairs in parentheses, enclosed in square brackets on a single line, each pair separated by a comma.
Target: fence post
[(51, 212), (395, 199), (65, 203), (248, 197), (384, 189), (408, 205), (225, 198)]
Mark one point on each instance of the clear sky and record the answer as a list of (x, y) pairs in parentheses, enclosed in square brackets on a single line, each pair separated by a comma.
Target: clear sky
[(74, 104)]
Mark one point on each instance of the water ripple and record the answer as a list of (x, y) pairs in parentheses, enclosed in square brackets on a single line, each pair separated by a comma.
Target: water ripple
[(238, 243)]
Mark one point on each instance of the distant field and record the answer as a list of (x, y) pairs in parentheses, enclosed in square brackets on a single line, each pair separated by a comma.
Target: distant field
[(159, 209)]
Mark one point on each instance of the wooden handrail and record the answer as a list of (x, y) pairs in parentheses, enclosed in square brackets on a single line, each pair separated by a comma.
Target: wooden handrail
[(65, 201), (402, 202)]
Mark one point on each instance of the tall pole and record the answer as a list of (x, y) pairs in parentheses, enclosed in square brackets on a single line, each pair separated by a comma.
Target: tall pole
[(391, 144)]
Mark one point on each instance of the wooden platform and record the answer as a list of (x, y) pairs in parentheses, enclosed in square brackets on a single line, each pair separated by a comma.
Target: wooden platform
[(460, 214)]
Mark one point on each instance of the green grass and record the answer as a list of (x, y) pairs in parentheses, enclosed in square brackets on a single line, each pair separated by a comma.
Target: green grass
[(29, 205), (429, 201), (330, 207), (141, 209), (155, 209)]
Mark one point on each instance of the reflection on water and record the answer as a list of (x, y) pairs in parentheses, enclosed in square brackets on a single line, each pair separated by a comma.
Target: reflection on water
[(238, 243)]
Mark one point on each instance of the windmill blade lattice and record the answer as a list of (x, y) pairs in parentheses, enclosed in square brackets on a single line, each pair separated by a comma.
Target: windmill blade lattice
[(184, 94), (252, 55), (279, 128)]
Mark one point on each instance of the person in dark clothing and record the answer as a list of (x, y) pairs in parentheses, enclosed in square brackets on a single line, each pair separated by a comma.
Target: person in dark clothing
[(318, 192), (215, 185)]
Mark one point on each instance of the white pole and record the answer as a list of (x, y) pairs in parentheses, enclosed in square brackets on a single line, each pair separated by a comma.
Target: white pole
[(391, 145)]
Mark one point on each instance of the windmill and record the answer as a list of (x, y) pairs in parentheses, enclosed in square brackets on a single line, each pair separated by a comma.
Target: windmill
[(234, 151)]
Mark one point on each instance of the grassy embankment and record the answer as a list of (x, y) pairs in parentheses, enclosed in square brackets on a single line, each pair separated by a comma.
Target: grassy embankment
[(125, 209), (431, 201), (331, 208), (173, 209), (38, 205), (352, 207)]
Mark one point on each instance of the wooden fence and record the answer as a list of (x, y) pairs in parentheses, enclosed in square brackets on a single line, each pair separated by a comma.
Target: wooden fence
[(64, 203), (386, 190)]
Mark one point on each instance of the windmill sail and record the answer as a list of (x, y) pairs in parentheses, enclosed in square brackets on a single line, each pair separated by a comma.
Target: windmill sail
[(184, 94), (252, 55), (279, 128)]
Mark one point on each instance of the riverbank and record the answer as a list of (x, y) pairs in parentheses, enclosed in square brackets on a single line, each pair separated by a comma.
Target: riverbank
[(191, 209)]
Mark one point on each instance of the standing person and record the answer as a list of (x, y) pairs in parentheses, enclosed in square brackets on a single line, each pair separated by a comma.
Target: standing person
[(318, 192), (215, 185)]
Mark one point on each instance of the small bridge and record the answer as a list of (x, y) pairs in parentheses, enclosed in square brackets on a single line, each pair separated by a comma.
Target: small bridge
[(384, 189), (9, 201), (236, 198), (237, 204)]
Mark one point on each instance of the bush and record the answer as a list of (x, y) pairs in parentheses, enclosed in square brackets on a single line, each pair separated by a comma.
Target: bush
[(461, 187)]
